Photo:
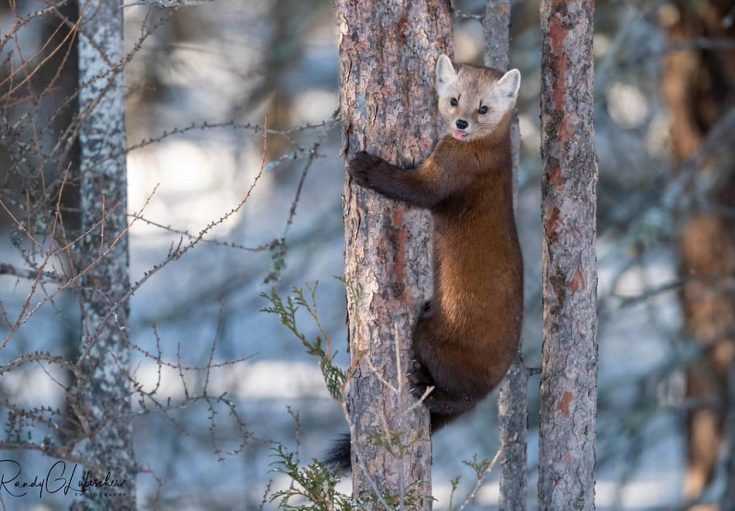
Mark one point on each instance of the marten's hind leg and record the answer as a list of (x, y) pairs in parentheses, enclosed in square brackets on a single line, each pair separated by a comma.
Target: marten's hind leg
[(418, 374), (438, 400), (433, 366)]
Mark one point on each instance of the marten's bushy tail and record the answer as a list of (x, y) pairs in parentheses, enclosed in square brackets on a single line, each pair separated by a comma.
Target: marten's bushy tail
[(338, 457)]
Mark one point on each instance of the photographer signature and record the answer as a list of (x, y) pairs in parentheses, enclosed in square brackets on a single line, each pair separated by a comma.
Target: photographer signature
[(58, 479)]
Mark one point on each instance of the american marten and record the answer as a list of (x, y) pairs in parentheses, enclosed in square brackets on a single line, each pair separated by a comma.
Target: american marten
[(467, 335)]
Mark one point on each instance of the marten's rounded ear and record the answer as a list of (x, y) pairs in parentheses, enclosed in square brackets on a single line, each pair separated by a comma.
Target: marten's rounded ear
[(445, 74), (508, 86)]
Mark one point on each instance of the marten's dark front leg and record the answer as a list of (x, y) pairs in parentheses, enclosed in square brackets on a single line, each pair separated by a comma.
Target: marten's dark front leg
[(417, 187)]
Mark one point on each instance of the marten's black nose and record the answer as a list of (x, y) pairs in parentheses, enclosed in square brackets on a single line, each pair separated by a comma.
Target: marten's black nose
[(461, 124)]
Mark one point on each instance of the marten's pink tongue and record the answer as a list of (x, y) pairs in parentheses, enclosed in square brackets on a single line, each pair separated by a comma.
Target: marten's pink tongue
[(459, 134)]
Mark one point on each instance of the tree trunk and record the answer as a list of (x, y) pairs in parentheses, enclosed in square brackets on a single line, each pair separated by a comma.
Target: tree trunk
[(569, 361), (102, 397), (698, 86), (728, 498), (388, 51), (512, 393)]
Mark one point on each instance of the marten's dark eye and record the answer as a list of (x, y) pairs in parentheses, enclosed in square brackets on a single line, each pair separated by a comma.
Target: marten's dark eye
[(482, 110), (453, 102)]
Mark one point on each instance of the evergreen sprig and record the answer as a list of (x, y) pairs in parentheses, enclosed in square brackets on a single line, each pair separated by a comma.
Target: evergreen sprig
[(334, 377), (314, 483)]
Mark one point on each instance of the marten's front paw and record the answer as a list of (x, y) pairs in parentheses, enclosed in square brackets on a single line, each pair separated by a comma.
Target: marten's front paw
[(418, 378), (361, 165)]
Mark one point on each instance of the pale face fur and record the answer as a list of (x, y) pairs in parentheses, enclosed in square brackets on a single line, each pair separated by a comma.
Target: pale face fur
[(465, 95)]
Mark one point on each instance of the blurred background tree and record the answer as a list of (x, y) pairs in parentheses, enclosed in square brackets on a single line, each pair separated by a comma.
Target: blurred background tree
[(698, 84)]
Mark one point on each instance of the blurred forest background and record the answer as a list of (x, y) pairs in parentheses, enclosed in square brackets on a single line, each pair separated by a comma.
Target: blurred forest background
[(200, 82)]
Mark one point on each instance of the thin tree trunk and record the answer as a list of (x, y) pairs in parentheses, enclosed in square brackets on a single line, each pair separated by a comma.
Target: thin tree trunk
[(728, 497), (102, 398), (388, 51), (569, 362), (512, 393), (699, 86)]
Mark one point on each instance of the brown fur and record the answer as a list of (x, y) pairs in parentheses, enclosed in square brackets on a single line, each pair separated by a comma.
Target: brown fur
[(467, 336)]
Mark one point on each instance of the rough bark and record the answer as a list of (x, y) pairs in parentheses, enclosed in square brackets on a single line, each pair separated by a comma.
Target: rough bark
[(512, 393), (728, 497), (569, 361), (699, 88), (102, 397), (387, 55)]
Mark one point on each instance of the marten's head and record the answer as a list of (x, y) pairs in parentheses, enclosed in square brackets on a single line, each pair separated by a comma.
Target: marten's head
[(474, 100)]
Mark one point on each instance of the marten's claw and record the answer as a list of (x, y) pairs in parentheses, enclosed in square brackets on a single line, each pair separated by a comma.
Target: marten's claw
[(418, 390), (412, 369), (418, 378), (415, 388), (416, 367)]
